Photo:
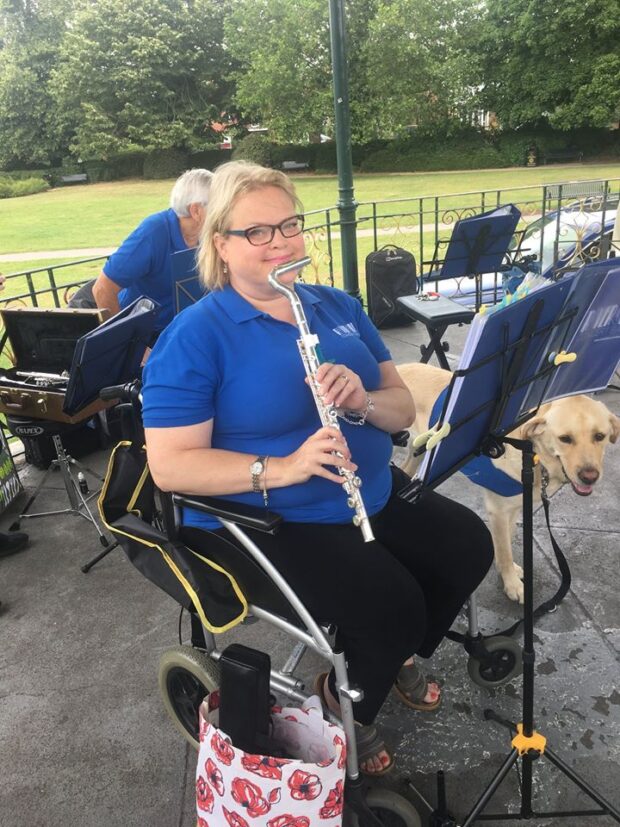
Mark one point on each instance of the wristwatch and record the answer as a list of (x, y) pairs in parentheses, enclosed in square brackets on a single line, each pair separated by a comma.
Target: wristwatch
[(256, 469)]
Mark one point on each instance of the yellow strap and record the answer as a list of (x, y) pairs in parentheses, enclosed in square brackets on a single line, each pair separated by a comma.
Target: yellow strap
[(131, 505), (523, 744), (178, 574)]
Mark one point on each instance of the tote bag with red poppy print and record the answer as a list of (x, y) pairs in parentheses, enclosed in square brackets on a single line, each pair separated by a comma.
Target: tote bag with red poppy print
[(238, 789)]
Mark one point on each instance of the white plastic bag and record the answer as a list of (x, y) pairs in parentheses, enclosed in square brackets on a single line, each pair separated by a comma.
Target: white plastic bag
[(239, 789)]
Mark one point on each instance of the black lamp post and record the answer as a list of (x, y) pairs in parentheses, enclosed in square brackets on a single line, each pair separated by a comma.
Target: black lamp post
[(346, 200)]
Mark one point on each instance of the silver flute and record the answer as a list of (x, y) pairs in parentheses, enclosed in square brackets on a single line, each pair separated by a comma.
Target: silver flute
[(308, 344)]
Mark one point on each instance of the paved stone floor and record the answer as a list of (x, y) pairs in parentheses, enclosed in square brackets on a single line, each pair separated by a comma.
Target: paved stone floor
[(84, 738)]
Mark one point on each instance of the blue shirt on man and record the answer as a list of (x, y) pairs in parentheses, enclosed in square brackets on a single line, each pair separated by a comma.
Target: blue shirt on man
[(223, 359), (142, 265)]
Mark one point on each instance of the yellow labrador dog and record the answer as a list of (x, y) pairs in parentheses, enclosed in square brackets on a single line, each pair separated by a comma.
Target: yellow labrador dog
[(569, 435)]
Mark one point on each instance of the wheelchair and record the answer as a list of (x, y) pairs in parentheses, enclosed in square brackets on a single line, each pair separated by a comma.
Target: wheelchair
[(147, 524)]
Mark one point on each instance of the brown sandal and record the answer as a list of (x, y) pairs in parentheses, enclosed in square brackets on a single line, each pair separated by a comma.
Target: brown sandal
[(411, 687), (369, 742)]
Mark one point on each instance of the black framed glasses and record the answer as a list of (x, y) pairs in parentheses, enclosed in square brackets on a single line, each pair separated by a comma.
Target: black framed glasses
[(263, 233)]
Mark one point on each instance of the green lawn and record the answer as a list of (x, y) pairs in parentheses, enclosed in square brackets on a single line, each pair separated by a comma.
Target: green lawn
[(101, 215)]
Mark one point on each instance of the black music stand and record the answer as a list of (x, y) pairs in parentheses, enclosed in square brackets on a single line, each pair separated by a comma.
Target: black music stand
[(478, 245), (187, 287), (528, 333), (109, 355)]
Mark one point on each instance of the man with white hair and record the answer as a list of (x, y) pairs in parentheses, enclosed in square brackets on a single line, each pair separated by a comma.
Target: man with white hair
[(142, 265)]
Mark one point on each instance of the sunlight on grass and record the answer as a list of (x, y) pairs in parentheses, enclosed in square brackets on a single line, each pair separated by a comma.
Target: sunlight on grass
[(102, 215)]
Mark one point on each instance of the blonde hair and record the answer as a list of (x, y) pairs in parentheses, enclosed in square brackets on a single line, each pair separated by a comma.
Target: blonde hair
[(230, 182)]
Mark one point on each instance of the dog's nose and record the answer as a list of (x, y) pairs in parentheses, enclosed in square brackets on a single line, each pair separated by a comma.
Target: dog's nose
[(588, 475)]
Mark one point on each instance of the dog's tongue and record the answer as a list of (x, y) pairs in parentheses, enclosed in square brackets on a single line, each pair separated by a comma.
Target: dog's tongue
[(582, 490)]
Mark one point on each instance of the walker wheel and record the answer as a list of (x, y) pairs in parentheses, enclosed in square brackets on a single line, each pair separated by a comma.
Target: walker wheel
[(390, 808), (501, 664), (186, 677)]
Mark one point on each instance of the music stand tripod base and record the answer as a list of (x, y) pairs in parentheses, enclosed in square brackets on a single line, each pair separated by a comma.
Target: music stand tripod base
[(527, 744), (78, 498)]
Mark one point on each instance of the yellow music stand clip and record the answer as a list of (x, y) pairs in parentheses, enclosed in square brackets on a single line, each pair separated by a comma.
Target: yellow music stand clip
[(523, 744), (562, 356), (431, 437), (438, 435)]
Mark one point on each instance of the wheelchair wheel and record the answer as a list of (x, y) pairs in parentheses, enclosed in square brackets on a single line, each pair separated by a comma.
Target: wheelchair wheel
[(502, 664), (392, 810), (186, 677)]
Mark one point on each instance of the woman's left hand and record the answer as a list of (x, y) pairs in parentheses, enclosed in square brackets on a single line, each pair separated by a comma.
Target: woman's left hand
[(340, 386)]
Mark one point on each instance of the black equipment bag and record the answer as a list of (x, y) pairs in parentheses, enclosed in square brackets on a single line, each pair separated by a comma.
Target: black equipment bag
[(390, 273), (127, 508), (245, 704)]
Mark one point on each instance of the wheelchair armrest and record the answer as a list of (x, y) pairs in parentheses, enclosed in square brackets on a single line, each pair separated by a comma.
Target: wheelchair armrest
[(400, 439), (247, 516)]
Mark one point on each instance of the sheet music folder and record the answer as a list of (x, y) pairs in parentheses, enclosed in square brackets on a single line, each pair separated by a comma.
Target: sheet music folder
[(111, 354), (186, 285), (505, 370), (478, 244), (593, 334)]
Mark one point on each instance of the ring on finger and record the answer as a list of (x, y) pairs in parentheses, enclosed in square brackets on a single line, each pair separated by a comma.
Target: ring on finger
[(344, 378)]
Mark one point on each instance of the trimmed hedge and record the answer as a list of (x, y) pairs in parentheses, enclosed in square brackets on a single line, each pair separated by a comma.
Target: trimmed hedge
[(115, 168), (472, 149), (255, 148), (208, 158), (10, 188), (22, 174), (164, 163), (469, 149)]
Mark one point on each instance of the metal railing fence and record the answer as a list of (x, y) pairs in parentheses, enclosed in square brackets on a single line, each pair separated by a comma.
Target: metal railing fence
[(418, 223)]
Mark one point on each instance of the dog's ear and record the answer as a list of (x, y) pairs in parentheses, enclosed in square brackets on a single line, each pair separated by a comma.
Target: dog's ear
[(615, 427), (534, 427)]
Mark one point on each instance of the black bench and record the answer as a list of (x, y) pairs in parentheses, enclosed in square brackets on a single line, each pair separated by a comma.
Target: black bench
[(290, 166), (74, 178), (576, 189), (563, 156)]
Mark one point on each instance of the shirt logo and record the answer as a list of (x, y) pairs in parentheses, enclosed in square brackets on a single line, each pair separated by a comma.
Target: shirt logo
[(348, 329)]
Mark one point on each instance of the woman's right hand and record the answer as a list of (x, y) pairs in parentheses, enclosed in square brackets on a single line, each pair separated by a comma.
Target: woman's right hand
[(317, 452)]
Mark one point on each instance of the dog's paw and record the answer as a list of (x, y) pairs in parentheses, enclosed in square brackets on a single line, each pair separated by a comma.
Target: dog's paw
[(513, 585)]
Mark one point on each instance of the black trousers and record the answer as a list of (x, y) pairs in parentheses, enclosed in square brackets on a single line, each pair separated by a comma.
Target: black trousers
[(391, 598)]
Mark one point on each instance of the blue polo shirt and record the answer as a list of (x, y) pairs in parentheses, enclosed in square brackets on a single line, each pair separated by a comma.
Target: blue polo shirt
[(223, 359), (142, 265)]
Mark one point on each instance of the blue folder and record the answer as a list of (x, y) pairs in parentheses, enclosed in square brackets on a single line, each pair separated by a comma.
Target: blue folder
[(593, 335), (471, 406), (478, 244), (186, 285), (111, 354)]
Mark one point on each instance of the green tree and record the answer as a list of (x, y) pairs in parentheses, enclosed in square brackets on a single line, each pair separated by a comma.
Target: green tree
[(30, 37), (284, 76), (149, 74), (417, 65), (551, 61)]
